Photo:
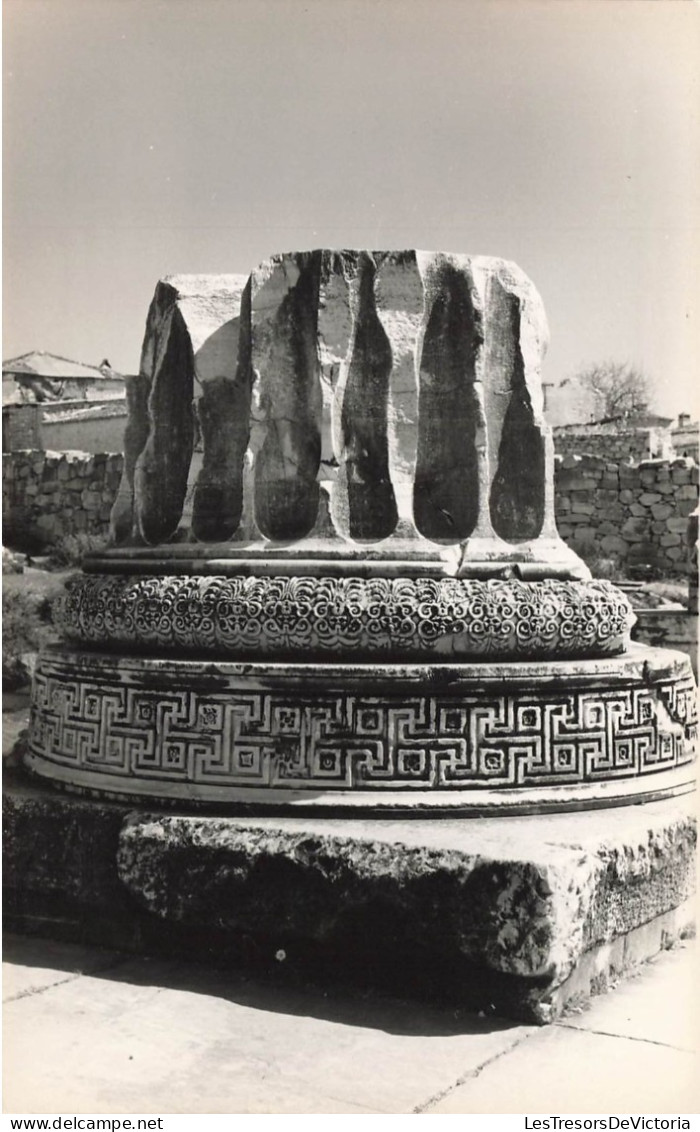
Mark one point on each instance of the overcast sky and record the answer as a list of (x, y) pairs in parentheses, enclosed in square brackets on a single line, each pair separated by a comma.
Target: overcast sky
[(146, 137)]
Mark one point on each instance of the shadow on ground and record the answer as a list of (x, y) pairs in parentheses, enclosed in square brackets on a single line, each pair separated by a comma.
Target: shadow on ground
[(272, 994)]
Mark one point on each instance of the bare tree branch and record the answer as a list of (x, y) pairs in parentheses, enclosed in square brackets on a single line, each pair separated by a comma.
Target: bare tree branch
[(621, 391)]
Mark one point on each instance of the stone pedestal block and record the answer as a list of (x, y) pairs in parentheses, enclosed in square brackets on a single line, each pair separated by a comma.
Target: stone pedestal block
[(519, 916)]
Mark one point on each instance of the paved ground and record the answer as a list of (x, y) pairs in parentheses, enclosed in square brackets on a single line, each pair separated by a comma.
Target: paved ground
[(91, 1031)]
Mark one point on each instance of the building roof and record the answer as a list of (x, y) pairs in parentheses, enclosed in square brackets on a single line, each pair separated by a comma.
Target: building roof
[(616, 424), (38, 363)]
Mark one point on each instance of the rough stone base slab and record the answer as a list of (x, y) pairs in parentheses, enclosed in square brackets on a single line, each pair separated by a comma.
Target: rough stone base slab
[(516, 916)]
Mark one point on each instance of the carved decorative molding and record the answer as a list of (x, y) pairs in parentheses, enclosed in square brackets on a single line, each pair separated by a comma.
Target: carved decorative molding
[(338, 617), (162, 723)]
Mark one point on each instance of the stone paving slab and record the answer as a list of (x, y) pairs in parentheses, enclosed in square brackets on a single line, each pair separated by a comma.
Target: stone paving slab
[(648, 1006), (167, 1037), (566, 1070), (138, 1035), (24, 971)]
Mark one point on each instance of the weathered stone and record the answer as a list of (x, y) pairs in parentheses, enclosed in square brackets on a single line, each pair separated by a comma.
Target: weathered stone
[(613, 544), (634, 528), (595, 463), (606, 498), (669, 628), (334, 730), (584, 534), (404, 386), (311, 617), (189, 353), (12, 563), (490, 914), (649, 497), (367, 607), (680, 475), (574, 484)]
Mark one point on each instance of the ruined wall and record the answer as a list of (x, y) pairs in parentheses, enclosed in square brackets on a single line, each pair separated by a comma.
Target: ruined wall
[(631, 512), (634, 513), (613, 443), (49, 495)]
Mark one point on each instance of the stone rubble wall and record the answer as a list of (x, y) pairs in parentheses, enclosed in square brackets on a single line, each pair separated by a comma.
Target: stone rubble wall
[(50, 495), (635, 513), (630, 512), (617, 444)]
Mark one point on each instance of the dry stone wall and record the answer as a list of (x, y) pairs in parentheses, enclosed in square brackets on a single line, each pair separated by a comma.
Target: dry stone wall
[(636, 513), (47, 496), (613, 443), (630, 512)]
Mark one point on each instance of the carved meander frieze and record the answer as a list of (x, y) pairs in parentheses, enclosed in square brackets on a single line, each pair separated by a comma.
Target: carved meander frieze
[(323, 616), (160, 722)]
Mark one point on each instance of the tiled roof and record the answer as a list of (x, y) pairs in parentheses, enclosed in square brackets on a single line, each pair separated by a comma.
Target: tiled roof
[(37, 363)]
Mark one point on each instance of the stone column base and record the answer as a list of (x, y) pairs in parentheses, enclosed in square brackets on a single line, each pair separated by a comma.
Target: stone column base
[(522, 917), (476, 738)]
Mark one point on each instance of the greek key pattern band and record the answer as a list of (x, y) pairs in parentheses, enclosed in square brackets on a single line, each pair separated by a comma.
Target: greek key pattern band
[(314, 740)]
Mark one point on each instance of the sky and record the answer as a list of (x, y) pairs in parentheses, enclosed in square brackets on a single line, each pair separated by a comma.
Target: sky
[(150, 137)]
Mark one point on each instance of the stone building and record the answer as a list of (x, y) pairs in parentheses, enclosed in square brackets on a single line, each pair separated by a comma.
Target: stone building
[(38, 376), (684, 437), (50, 402)]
